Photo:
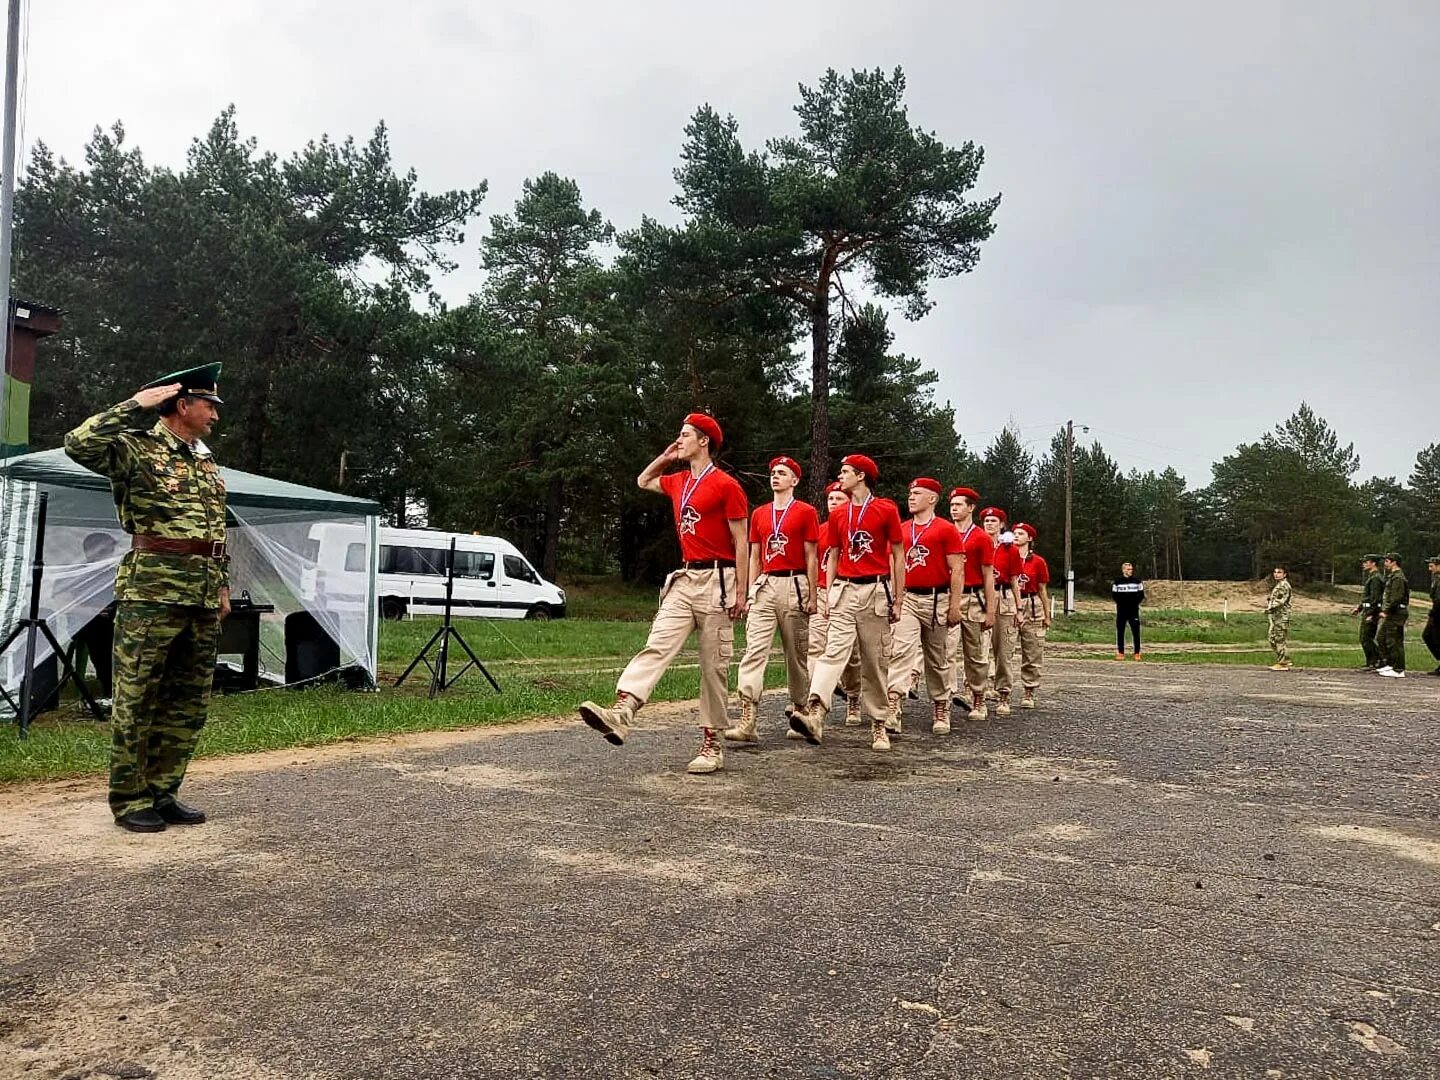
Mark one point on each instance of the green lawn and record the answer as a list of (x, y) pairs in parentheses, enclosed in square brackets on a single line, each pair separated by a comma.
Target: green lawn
[(545, 668)]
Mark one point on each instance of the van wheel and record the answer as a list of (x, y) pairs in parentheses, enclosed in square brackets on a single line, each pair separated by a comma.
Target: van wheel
[(540, 613), (392, 608)]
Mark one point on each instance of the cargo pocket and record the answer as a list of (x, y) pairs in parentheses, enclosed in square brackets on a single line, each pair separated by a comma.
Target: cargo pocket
[(879, 605), (725, 643), (669, 581)]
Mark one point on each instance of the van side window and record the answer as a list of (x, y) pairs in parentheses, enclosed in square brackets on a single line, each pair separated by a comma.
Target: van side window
[(518, 569), (354, 558), (476, 565), (403, 559)]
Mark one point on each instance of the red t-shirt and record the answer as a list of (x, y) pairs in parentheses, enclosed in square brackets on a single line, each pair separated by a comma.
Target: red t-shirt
[(1033, 573), (824, 542), (865, 536), (927, 551), (782, 534), (1007, 563), (703, 512), (979, 553)]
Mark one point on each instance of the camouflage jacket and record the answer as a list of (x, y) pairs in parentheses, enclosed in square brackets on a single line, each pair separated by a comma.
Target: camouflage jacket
[(1279, 599), (1374, 593), (1396, 602), (162, 487), (1435, 597)]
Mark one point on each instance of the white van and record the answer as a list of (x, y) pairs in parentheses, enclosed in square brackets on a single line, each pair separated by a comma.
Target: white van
[(492, 578)]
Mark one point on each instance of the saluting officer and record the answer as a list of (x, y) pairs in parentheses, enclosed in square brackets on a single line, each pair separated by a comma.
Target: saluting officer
[(172, 588), (706, 595)]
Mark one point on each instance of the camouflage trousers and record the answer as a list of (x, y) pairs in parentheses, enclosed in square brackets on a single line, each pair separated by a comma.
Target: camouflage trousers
[(164, 668), (1279, 637)]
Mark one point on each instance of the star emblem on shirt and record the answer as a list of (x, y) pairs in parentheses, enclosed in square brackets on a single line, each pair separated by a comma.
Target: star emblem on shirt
[(916, 556), (689, 518), (861, 543), (776, 547)]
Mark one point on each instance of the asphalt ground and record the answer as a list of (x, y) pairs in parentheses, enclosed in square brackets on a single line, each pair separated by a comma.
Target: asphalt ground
[(1162, 872)]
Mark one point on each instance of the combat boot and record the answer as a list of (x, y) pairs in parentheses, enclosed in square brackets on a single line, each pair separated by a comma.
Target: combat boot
[(879, 737), (614, 722), (892, 714), (977, 706), (1002, 707), (990, 694), (940, 722), (790, 711), (1028, 701), (852, 710), (809, 722), (711, 757), (744, 731)]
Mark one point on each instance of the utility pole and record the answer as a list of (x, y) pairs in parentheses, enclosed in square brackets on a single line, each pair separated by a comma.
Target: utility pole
[(7, 205), (1069, 493)]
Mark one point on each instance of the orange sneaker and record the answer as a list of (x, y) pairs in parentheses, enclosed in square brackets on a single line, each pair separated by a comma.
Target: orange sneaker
[(1138, 656), (1119, 656)]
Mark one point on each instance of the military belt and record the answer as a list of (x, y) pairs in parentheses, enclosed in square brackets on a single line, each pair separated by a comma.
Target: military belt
[(165, 545)]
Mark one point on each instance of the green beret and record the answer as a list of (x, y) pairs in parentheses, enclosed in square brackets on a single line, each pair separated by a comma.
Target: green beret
[(1371, 558), (1393, 556), (199, 382)]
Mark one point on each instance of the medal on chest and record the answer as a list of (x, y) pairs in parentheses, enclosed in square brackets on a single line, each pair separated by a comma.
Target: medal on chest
[(690, 517)]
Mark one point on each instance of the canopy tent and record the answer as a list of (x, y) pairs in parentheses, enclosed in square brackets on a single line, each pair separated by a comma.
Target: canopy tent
[(273, 556)]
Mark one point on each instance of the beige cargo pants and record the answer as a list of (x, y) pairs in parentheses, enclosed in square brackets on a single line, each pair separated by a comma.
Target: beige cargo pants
[(859, 616), (966, 646), (689, 601), (778, 603), (921, 634)]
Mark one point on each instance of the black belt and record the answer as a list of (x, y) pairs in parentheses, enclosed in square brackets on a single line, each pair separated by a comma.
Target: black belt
[(709, 564), (783, 573), (975, 590), (869, 579), (927, 590)]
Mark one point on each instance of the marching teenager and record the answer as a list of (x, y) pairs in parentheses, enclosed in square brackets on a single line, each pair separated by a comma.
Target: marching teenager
[(849, 685), (866, 572), (1033, 617), (1007, 602), (781, 594), (934, 583), (977, 607), (706, 595)]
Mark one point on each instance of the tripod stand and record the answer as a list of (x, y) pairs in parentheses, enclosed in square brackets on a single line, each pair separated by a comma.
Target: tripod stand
[(438, 679), (30, 626)]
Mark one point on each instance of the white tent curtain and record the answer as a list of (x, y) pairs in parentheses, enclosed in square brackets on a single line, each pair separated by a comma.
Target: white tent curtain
[(273, 559)]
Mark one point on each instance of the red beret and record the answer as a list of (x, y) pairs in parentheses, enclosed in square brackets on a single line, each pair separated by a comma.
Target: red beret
[(1028, 528), (993, 511), (789, 463), (834, 485), (927, 483), (969, 493), (861, 463), (706, 425)]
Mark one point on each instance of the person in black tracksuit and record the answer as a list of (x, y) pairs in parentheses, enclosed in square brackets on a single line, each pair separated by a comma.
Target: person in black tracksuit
[(1129, 593)]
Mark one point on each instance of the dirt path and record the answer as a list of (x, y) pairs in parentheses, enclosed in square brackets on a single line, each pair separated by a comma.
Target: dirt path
[(1164, 871)]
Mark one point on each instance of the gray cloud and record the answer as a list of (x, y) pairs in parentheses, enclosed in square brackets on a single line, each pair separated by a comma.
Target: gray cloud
[(1211, 212)]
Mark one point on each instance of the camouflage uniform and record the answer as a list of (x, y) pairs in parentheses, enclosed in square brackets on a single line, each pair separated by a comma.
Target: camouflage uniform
[(167, 623), (1279, 611), (1396, 606), (1370, 617)]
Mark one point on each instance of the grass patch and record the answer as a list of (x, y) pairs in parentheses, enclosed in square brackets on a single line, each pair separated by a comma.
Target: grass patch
[(1204, 627), (544, 669)]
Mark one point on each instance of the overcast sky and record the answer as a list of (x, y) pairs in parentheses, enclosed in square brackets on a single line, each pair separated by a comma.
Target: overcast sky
[(1211, 211)]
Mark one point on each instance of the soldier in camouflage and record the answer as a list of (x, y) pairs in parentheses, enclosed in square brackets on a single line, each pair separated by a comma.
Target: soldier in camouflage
[(1394, 612), (1369, 610), (1431, 634), (1278, 608), (172, 588)]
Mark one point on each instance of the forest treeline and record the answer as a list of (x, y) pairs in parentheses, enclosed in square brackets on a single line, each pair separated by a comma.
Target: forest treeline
[(529, 409)]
